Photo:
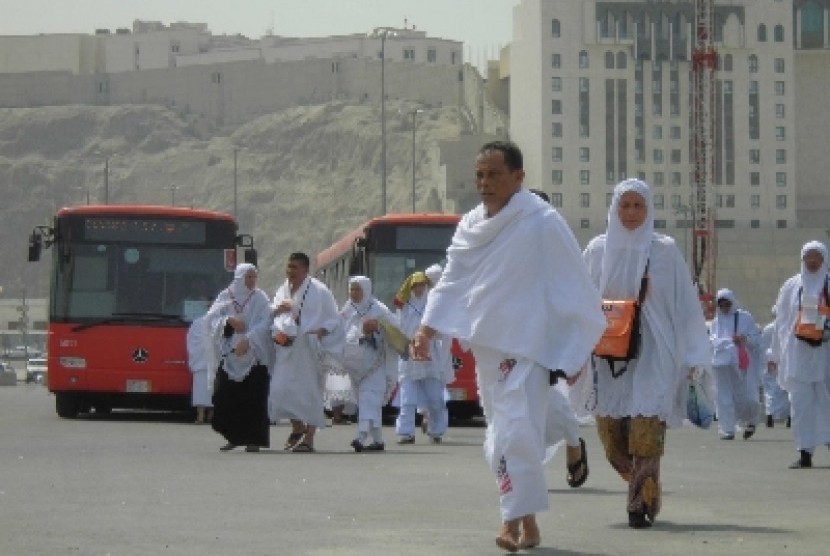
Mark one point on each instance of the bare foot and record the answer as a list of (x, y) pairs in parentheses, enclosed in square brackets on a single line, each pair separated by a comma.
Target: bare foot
[(530, 536), (508, 538)]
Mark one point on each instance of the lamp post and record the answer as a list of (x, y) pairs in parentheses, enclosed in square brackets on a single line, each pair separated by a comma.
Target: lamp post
[(413, 113), (235, 153), (106, 181), (172, 188), (383, 34)]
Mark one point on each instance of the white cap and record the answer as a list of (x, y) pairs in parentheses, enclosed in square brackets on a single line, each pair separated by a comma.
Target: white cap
[(434, 273)]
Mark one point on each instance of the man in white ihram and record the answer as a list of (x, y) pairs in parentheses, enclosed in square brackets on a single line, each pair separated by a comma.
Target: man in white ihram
[(515, 289)]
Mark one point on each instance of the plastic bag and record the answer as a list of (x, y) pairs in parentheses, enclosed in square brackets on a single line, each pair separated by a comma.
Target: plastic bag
[(699, 408)]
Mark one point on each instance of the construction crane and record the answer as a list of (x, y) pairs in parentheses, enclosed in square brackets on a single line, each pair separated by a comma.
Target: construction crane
[(704, 66)]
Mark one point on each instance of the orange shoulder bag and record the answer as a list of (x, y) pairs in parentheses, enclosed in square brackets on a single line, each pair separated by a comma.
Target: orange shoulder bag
[(621, 339), (807, 331)]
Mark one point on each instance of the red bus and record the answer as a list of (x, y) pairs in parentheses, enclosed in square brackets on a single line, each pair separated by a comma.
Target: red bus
[(387, 249), (125, 283)]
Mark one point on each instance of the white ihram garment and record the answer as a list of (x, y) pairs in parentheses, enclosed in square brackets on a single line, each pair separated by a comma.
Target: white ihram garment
[(198, 360), (298, 379), (514, 287)]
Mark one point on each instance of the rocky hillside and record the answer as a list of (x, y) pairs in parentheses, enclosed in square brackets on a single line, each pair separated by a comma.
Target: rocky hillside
[(304, 175)]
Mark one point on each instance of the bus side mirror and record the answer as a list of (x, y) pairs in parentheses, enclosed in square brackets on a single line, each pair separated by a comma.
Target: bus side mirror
[(250, 256), (35, 246)]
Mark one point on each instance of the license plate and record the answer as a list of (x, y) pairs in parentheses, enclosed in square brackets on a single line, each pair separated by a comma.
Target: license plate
[(138, 386), (457, 394)]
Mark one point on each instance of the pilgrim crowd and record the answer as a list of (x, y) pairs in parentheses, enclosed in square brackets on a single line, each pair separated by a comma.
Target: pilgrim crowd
[(519, 293)]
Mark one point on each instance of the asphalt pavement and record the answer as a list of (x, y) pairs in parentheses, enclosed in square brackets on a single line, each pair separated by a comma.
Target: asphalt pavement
[(152, 483)]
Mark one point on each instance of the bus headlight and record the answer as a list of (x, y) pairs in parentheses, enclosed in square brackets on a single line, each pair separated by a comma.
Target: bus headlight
[(72, 362)]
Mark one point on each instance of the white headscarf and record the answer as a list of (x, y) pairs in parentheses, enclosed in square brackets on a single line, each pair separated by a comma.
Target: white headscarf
[(365, 285), (626, 251), (238, 289), (813, 282), (434, 273)]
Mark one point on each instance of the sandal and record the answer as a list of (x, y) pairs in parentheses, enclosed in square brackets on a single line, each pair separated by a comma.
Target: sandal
[(579, 467), (293, 438), (303, 447)]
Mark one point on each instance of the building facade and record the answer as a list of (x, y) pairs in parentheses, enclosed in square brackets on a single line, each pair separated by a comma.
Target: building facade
[(600, 91)]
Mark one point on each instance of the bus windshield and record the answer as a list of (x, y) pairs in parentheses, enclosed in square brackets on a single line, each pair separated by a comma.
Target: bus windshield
[(391, 269), (130, 281)]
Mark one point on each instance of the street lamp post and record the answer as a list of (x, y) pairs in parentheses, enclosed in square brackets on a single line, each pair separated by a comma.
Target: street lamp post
[(413, 113), (106, 181), (172, 188), (383, 34), (235, 152)]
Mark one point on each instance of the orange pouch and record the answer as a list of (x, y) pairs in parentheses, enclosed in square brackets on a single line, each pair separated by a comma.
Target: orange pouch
[(621, 338)]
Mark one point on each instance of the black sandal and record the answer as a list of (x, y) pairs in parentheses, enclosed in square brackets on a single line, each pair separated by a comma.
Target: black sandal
[(293, 438), (580, 465), (303, 447)]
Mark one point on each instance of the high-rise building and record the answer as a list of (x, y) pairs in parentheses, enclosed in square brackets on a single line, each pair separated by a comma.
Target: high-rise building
[(600, 91)]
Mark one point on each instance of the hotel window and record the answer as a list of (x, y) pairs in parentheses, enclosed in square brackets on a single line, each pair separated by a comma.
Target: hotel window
[(583, 59), (556, 84), (556, 129), (408, 53), (584, 223), (584, 154), (556, 61), (676, 178), (779, 65), (755, 201), (780, 133), (729, 201), (658, 201), (762, 33), (755, 179), (754, 223), (658, 156), (675, 132), (778, 33), (584, 130), (781, 223), (585, 200), (781, 179), (754, 156), (556, 200), (584, 85), (753, 87), (432, 55), (779, 88), (608, 198), (659, 179), (675, 156), (556, 107), (780, 111), (556, 154), (609, 60), (781, 201), (676, 201), (753, 63), (780, 156), (555, 29), (584, 177), (556, 177), (657, 132), (609, 178)]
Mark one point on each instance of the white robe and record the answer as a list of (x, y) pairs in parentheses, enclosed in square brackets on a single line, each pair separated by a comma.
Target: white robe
[(775, 398), (198, 360), (374, 377), (803, 370), (256, 313), (298, 379), (514, 287), (737, 391), (674, 339)]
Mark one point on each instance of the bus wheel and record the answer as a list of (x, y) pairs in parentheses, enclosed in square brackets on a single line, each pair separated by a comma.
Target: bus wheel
[(66, 405)]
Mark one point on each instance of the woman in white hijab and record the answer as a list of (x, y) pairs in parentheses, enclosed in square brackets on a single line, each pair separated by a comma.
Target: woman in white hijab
[(239, 326), (634, 409), (735, 339), (804, 367), (371, 364)]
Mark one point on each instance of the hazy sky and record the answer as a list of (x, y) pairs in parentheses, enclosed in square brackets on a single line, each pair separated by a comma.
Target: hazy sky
[(483, 25)]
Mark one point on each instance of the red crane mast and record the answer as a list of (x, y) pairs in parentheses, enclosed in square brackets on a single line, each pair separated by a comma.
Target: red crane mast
[(704, 66)]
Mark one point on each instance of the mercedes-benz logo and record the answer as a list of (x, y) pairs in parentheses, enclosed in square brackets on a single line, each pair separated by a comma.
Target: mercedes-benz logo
[(140, 355)]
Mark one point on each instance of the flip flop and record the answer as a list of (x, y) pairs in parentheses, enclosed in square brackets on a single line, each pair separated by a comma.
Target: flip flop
[(293, 438), (303, 447), (580, 465)]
